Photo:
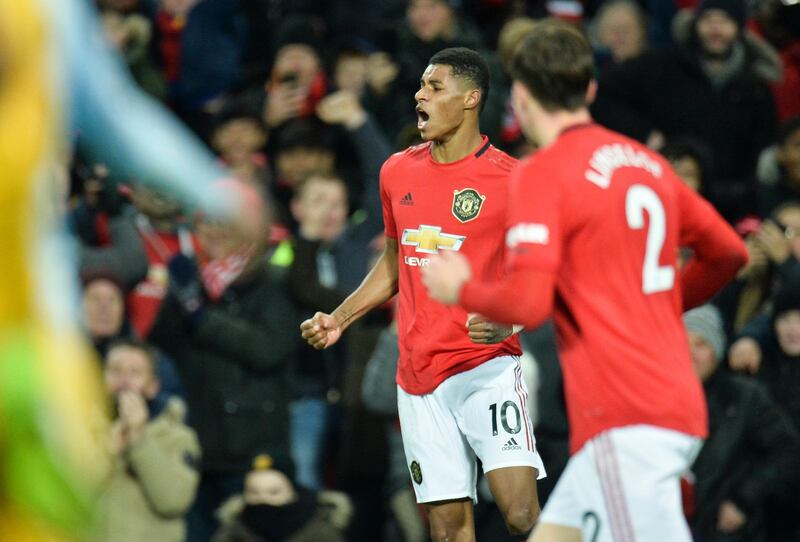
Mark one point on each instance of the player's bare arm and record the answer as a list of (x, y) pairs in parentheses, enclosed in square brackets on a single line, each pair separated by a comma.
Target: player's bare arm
[(323, 330)]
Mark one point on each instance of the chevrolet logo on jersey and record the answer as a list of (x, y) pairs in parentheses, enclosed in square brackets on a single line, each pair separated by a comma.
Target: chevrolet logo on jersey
[(430, 239)]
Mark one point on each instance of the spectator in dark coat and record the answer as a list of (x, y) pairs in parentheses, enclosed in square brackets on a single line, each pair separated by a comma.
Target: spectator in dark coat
[(230, 327), (752, 454), (713, 87)]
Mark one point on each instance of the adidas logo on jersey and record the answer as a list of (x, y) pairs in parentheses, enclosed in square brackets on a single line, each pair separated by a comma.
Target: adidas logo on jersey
[(407, 199), (511, 445)]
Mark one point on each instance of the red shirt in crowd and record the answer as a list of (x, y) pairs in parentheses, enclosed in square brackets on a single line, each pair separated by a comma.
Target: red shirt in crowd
[(144, 301)]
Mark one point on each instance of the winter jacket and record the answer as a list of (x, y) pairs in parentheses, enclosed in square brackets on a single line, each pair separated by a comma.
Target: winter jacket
[(752, 456), (668, 91), (326, 525), (153, 483), (233, 363)]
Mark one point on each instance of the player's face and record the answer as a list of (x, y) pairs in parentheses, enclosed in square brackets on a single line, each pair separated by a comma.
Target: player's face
[(440, 103)]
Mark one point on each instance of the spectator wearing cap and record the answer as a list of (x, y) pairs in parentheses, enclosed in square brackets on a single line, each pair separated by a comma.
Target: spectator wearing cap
[(155, 455), (713, 86), (752, 455), (272, 509)]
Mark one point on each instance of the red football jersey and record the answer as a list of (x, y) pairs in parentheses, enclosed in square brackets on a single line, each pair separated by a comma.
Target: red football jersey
[(606, 216), (429, 207)]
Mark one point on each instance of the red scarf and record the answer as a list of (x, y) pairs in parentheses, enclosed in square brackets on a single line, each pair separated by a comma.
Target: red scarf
[(219, 274)]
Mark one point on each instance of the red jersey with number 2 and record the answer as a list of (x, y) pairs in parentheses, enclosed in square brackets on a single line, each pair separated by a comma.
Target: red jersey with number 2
[(428, 208), (606, 216)]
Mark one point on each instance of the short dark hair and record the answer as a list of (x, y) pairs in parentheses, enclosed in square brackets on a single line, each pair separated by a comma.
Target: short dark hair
[(308, 134), (555, 64), (466, 64), (141, 346)]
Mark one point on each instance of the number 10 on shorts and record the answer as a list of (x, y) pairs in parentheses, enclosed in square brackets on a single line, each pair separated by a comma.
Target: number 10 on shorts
[(504, 417)]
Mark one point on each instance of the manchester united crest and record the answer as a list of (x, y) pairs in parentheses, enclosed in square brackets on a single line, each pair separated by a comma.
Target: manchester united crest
[(416, 472), (467, 204)]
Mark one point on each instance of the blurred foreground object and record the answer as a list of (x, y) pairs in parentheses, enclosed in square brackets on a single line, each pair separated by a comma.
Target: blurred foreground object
[(57, 78)]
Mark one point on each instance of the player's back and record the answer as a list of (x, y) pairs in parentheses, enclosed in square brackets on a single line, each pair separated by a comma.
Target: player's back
[(618, 306)]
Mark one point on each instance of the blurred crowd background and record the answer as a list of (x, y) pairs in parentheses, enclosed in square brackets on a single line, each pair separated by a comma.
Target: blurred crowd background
[(227, 428)]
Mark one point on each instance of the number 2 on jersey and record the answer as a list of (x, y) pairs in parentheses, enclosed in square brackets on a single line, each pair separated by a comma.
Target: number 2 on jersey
[(641, 198)]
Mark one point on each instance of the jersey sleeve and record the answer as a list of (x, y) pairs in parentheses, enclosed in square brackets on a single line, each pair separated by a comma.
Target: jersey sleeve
[(534, 226), (719, 253), (389, 228)]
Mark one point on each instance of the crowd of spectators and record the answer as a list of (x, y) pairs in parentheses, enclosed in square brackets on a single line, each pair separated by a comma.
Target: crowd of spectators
[(228, 428)]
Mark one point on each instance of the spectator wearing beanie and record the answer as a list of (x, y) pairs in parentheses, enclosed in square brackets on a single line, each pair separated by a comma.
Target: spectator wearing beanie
[(712, 86), (750, 458), (273, 508)]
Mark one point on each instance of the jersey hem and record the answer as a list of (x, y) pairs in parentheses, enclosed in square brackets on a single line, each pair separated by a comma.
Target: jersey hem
[(507, 350)]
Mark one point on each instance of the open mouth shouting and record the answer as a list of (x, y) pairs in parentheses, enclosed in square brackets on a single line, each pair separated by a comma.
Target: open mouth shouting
[(422, 118)]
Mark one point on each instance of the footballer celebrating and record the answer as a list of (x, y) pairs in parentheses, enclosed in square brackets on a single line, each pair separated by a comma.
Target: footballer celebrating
[(460, 389), (595, 223)]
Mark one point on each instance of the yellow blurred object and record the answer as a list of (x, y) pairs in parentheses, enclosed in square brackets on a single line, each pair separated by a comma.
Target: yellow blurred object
[(51, 406)]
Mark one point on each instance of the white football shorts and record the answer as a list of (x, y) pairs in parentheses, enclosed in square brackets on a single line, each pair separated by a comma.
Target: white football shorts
[(479, 413), (624, 486)]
